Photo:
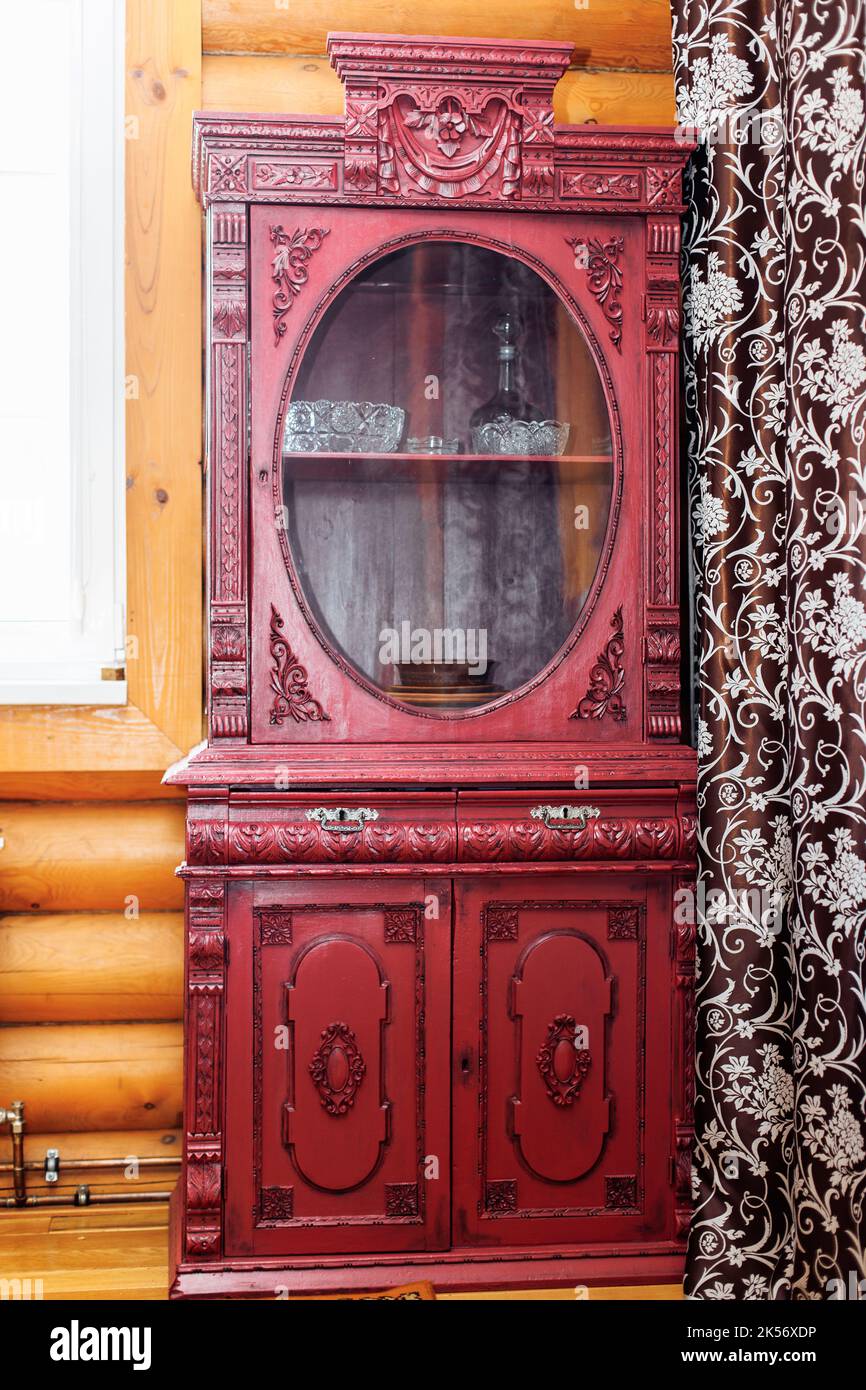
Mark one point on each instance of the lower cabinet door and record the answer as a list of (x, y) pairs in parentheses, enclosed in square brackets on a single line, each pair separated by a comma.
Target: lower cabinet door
[(562, 1092), (338, 1134)]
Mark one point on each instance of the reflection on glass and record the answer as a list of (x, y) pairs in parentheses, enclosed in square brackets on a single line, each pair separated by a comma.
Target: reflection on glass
[(448, 576)]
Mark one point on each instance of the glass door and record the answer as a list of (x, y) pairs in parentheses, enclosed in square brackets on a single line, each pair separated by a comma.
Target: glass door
[(447, 474)]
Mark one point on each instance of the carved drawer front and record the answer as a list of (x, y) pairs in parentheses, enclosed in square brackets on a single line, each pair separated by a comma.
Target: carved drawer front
[(582, 825), (338, 1097), (562, 1095), (324, 828)]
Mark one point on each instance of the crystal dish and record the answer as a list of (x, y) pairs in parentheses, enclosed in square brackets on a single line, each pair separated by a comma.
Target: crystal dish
[(520, 437), (342, 427)]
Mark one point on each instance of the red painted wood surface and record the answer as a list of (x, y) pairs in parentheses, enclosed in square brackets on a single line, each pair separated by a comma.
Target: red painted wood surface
[(337, 1071), (562, 1119), (334, 1098)]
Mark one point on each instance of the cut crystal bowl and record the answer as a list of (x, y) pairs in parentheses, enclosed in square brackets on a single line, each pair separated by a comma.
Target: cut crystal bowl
[(342, 427), (520, 437)]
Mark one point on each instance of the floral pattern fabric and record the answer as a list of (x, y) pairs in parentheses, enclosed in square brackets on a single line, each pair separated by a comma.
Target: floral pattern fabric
[(775, 401)]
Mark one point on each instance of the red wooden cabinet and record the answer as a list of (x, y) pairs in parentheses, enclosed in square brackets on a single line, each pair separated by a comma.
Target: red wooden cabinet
[(441, 835)]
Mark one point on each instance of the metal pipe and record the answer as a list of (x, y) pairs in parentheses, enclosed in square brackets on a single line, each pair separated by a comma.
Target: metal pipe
[(14, 1117), (102, 1199), (34, 1166)]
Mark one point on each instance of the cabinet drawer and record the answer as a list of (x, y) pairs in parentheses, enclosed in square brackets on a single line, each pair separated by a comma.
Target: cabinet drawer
[(500, 826), (329, 828)]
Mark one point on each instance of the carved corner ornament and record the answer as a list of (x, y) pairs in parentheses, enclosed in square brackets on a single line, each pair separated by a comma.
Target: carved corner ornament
[(606, 679), (290, 268), (292, 698), (600, 260)]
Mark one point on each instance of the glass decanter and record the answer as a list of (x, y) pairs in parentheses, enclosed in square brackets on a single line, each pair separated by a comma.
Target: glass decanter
[(508, 405)]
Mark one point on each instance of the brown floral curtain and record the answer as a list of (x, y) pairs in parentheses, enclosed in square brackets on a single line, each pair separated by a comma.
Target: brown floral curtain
[(775, 371)]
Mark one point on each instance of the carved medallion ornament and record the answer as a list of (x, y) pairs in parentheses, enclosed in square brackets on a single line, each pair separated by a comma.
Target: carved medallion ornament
[(337, 1069), (290, 268), (600, 260), (563, 1065), (606, 680), (292, 699)]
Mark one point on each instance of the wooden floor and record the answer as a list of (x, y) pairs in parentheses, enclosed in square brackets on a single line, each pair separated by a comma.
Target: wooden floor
[(122, 1252)]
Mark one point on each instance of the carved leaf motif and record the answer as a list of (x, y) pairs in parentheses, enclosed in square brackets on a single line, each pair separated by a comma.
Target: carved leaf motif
[(600, 260), (203, 1184), (337, 1069), (606, 679), (289, 681), (290, 268), (229, 317), (563, 1066)]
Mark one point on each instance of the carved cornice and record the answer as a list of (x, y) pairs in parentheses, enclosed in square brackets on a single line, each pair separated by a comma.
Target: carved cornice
[(491, 99)]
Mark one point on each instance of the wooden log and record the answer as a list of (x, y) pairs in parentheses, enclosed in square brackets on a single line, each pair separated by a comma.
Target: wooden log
[(99, 856), (605, 33), (87, 786), (94, 1076), (300, 83), (50, 739), (91, 967), (110, 1143)]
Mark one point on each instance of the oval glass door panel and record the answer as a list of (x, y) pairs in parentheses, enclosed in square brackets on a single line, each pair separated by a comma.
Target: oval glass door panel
[(447, 475)]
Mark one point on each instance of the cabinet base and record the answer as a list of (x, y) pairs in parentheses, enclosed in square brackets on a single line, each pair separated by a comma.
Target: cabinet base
[(457, 1270)]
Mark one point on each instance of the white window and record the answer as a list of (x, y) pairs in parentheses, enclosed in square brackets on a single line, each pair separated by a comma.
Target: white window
[(62, 571)]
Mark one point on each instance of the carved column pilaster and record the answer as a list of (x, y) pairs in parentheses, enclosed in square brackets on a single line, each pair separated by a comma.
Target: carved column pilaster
[(684, 1032), (537, 162), (661, 316), (228, 455), (205, 1001), (361, 165)]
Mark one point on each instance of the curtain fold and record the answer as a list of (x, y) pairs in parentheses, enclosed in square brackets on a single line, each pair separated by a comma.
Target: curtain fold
[(775, 376)]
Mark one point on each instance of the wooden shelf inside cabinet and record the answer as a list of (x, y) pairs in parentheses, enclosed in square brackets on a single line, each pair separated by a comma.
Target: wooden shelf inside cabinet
[(417, 467)]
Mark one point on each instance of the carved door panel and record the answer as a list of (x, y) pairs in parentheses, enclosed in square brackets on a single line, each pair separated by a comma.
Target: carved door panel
[(528, 571), (339, 1135), (562, 1059)]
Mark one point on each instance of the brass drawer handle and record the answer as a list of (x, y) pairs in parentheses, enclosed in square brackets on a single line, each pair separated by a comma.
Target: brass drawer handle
[(565, 817), (343, 819)]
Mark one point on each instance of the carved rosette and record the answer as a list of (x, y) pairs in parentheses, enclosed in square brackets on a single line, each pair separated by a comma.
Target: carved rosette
[(401, 1199), (229, 292), (606, 679), (500, 1197), (684, 933), (206, 988), (620, 1194)]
